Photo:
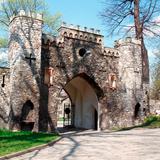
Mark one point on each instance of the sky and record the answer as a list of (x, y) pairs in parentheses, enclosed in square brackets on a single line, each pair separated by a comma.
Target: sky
[(85, 13)]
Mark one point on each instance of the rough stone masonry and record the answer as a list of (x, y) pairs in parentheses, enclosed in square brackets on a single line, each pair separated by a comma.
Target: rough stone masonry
[(105, 85)]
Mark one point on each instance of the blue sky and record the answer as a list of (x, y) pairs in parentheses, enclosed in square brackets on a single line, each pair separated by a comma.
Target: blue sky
[(81, 12), (85, 13)]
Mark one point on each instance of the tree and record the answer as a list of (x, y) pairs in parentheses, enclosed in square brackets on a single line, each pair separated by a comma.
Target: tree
[(3, 42), (135, 15), (155, 87), (9, 8)]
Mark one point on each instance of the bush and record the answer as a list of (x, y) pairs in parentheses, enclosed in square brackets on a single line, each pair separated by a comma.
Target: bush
[(152, 121)]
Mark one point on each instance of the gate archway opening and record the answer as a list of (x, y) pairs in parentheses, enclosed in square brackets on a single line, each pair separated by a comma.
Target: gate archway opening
[(84, 103)]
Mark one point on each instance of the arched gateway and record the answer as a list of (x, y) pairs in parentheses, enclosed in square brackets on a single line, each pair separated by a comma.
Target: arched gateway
[(84, 102), (104, 84)]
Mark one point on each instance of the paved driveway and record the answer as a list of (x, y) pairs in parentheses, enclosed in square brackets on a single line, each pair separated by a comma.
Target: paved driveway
[(137, 144)]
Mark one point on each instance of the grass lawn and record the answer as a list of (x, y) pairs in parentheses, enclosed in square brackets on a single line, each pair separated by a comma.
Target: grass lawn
[(11, 142), (151, 121)]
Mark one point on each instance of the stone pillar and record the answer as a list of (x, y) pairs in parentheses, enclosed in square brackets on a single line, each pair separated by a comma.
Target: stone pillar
[(25, 64)]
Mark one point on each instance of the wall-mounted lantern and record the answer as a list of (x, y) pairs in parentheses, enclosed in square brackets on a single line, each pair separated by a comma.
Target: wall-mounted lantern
[(48, 76), (112, 81)]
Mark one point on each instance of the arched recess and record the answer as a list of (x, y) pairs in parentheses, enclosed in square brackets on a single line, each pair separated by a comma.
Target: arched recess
[(27, 118), (84, 94)]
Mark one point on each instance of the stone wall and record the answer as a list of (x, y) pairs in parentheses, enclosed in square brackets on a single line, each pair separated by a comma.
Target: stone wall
[(154, 106), (4, 97), (114, 74), (116, 105), (25, 42)]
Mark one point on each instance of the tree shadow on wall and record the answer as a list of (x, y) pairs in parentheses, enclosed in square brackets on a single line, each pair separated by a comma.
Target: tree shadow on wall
[(25, 38)]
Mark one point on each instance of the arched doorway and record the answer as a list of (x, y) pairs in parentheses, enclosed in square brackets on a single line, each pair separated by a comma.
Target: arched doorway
[(137, 111), (85, 102), (63, 116)]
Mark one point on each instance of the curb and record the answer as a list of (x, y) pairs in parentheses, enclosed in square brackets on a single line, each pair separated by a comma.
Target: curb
[(12, 155)]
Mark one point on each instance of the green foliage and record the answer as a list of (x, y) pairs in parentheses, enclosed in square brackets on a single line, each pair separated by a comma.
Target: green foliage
[(9, 8), (152, 121), (3, 42), (61, 119), (11, 142), (155, 89), (50, 26)]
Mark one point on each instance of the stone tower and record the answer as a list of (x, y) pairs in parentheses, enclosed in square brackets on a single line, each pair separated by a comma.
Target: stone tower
[(130, 76), (25, 67)]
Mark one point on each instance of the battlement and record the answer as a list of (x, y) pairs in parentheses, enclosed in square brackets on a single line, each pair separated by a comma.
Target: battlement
[(4, 70), (48, 39), (111, 52), (77, 32), (126, 41), (22, 13)]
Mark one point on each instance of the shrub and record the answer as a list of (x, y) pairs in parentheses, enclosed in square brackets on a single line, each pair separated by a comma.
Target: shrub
[(152, 121)]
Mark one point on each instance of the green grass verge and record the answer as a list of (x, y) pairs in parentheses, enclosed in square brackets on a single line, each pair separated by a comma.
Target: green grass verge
[(11, 142), (152, 121)]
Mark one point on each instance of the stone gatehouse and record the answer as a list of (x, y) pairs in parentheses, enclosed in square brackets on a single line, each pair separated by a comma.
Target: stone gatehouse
[(104, 85)]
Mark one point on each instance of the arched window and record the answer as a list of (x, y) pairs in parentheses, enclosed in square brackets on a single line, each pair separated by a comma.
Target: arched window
[(81, 36), (71, 35), (100, 41), (75, 36), (90, 38), (86, 37), (65, 34)]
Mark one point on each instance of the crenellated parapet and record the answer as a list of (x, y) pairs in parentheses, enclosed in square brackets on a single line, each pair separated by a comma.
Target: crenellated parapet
[(22, 13), (126, 41), (47, 39), (77, 32), (111, 52)]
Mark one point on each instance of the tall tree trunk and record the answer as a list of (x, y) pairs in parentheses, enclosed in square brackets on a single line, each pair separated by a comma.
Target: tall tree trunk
[(145, 63), (137, 22), (139, 35)]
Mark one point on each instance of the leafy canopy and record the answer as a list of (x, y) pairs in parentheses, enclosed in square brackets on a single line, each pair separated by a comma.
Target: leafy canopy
[(12, 7)]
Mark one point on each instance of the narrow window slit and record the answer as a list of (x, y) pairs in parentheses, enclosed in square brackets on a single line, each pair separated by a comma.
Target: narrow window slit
[(3, 80)]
